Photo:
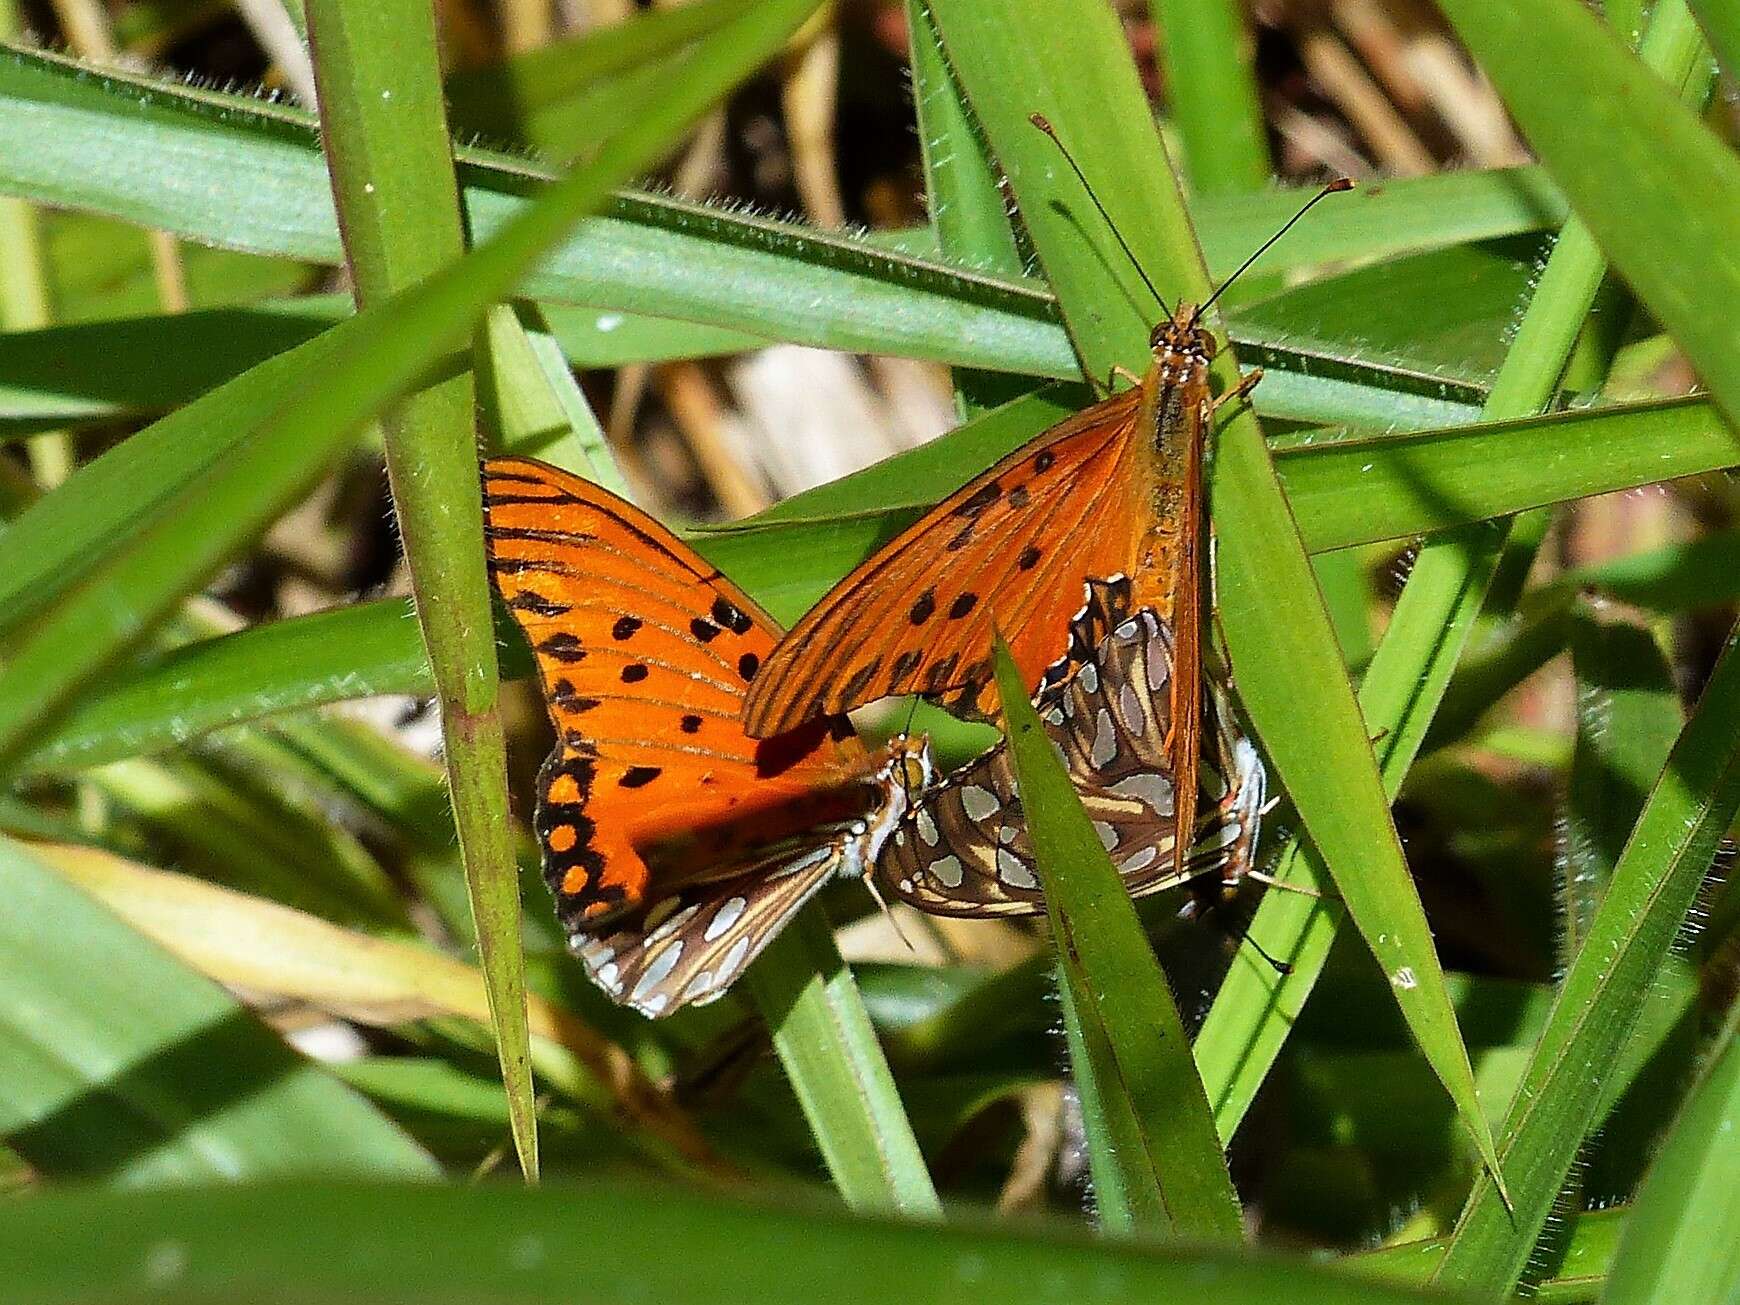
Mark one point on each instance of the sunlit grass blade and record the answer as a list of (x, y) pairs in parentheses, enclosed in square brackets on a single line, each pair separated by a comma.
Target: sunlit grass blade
[(1413, 664), (1682, 1241), (830, 1053), (530, 97), (250, 177), (1692, 805), (383, 120), (271, 950), (1344, 493), (1206, 53), (1162, 1159), (450, 1244), (137, 1070), (1649, 179), (1070, 66)]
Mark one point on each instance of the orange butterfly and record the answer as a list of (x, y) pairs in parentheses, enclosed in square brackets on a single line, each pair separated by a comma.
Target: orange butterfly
[(1113, 493), (676, 846), (963, 850)]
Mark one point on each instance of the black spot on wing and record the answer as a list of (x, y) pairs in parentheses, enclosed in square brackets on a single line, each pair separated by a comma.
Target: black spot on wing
[(563, 647)]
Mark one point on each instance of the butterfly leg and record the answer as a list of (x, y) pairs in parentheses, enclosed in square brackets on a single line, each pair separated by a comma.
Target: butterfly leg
[(1304, 890), (1242, 390)]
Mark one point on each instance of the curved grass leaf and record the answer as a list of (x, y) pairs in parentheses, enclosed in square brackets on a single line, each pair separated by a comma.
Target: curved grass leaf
[(323, 1244), (262, 947), (1158, 1164), (1342, 491), (1413, 664), (1656, 881), (249, 177), (830, 1053), (1069, 64), (1658, 190), (383, 121), (1206, 56), (138, 1070), (1682, 1241)]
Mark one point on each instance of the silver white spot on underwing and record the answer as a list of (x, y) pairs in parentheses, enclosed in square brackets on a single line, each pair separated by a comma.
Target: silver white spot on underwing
[(657, 972), (979, 804), (1090, 678), (1108, 836), (948, 871), (1130, 708), (733, 959), (1140, 859), (727, 915), (927, 828), (1105, 746), (1149, 787), (1013, 871)]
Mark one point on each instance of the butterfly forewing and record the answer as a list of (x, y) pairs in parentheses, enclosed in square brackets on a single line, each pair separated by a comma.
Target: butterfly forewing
[(657, 814), (963, 849), (1010, 551)]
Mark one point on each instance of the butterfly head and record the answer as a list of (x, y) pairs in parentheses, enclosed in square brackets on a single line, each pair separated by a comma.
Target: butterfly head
[(909, 769), (1182, 335)]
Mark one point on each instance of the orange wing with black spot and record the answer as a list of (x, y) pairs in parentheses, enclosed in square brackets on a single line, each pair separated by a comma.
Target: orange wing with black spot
[(655, 806), (1008, 551)]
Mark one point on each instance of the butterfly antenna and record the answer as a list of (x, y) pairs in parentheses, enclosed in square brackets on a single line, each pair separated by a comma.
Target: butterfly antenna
[(1333, 188), (1040, 121), (1282, 968), (888, 913)]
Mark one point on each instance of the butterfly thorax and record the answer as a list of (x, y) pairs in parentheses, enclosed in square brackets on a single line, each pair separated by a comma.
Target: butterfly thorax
[(1177, 404)]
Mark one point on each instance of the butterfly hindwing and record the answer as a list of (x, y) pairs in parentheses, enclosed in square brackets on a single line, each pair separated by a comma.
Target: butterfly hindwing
[(963, 849)]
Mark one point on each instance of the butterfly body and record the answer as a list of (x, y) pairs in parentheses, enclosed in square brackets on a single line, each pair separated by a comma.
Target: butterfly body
[(963, 848), (675, 845)]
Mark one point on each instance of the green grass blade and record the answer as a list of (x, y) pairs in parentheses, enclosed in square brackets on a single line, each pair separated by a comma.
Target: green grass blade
[(1344, 492), (1162, 1161), (1721, 26), (1682, 1241), (321, 1244), (120, 1064), (382, 115), (1290, 673), (1628, 715), (1206, 52), (369, 361), (967, 210), (1655, 883), (1648, 178), (830, 1053), (523, 99), (1411, 668)]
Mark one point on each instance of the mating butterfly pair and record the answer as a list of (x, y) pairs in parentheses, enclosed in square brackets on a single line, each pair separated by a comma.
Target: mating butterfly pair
[(677, 845)]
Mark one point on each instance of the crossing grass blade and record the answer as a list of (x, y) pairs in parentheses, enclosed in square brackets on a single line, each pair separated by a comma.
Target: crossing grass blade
[(1158, 1164), (323, 1244), (1694, 802), (1649, 179), (1068, 63), (1682, 1241), (378, 71), (1206, 53)]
